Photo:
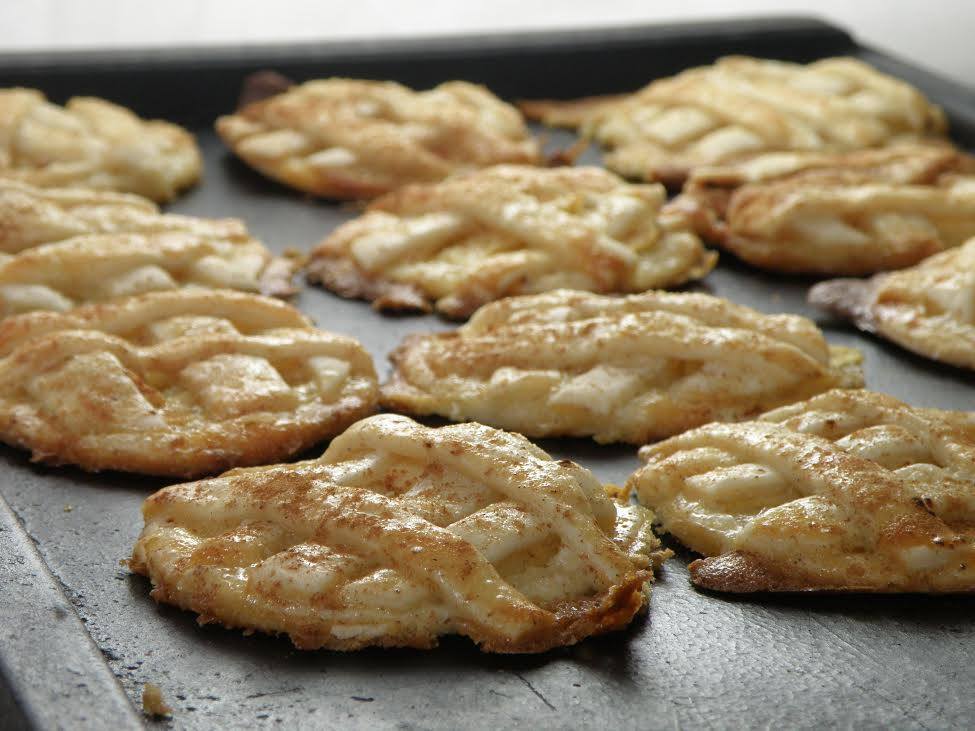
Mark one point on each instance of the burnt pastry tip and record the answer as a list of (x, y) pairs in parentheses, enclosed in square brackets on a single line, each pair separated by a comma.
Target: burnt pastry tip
[(262, 85), (847, 298)]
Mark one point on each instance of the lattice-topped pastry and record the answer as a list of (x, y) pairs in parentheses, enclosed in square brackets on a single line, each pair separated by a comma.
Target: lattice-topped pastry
[(849, 491), (628, 369), (509, 230), (400, 534), (31, 216), (346, 138), (93, 143), (87, 269), (180, 383), (743, 106), (851, 213), (928, 308)]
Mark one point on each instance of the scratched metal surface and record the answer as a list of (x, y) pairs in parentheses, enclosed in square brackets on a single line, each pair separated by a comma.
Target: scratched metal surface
[(695, 660)]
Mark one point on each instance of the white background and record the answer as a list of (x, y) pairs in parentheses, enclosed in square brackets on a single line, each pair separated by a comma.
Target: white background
[(938, 34)]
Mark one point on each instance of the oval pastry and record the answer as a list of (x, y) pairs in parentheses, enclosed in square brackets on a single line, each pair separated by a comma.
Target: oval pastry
[(93, 143), (400, 534), (347, 138), (849, 491), (928, 309), (744, 106), (509, 230), (88, 269), (182, 383), (852, 213), (628, 369)]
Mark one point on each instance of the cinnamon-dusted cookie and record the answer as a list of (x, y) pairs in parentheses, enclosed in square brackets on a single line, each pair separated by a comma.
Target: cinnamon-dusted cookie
[(348, 138), (849, 491), (744, 106), (928, 309), (93, 143), (509, 230), (181, 383), (627, 369), (400, 534)]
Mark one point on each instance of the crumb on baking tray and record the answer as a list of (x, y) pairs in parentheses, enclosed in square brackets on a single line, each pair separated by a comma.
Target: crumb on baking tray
[(152, 701)]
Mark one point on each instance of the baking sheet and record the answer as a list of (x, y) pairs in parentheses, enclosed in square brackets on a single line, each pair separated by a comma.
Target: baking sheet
[(695, 660)]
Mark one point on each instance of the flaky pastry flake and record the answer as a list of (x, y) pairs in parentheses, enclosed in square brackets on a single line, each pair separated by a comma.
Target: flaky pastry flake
[(630, 369), (400, 534), (347, 138), (928, 309), (742, 106), (183, 383), (849, 491), (92, 143), (509, 230)]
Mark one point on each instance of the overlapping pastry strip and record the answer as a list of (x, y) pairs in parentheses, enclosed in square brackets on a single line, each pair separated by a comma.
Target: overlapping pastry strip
[(95, 268), (849, 491), (346, 138), (93, 143), (745, 106), (399, 534), (509, 230), (180, 383), (31, 216), (619, 369), (928, 309), (852, 213)]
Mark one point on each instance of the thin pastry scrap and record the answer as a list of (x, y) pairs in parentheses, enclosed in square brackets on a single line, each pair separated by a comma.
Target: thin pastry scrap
[(849, 491), (627, 369), (93, 143), (744, 106), (509, 230), (400, 534), (842, 214), (345, 138), (928, 309), (88, 269), (182, 383)]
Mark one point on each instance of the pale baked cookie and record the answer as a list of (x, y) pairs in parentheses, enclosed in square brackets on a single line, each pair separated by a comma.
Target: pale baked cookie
[(87, 269), (93, 143), (509, 230), (627, 369), (180, 383), (400, 534), (928, 309), (849, 213), (850, 491), (745, 106), (347, 138)]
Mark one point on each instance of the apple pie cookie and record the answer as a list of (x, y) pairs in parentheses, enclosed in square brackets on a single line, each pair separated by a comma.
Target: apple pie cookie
[(630, 369), (928, 309), (509, 230), (93, 143), (346, 138), (849, 491), (400, 534), (87, 269), (746, 106), (181, 383), (851, 213)]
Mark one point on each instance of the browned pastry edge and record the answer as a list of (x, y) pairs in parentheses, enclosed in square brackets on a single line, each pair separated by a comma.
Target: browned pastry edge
[(848, 299), (277, 279), (345, 279), (262, 85), (567, 112)]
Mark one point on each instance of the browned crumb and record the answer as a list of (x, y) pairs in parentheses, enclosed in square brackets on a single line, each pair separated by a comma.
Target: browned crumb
[(152, 701)]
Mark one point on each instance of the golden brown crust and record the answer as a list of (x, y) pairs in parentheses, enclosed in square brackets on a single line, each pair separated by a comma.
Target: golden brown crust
[(509, 230), (346, 138), (928, 309), (849, 491), (631, 369), (93, 143), (181, 383), (849, 213), (741, 107), (400, 534)]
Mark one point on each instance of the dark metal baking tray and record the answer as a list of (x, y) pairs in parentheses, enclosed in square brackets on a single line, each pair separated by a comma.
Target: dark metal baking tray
[(79, 635)]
